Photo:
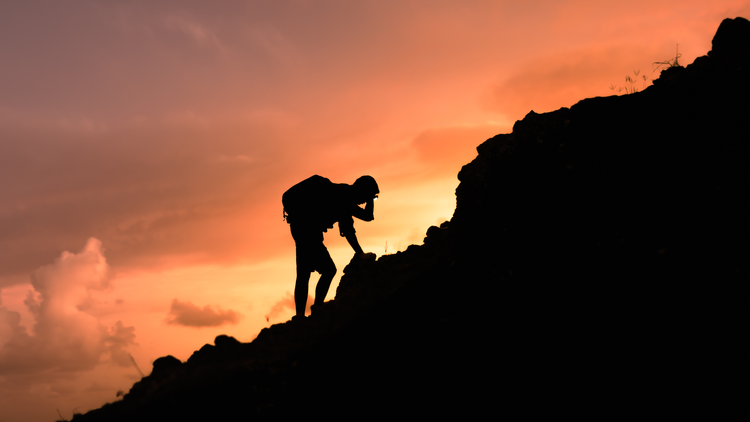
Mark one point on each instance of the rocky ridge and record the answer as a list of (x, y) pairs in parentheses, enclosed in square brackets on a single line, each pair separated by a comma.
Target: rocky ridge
[(593, 264)]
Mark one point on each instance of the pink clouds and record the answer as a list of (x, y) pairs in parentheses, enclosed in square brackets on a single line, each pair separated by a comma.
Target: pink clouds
[(286, 304), (66, 335), (191, 315)]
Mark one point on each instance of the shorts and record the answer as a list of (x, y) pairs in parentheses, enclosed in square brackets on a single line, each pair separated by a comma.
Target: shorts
[(312, 255)]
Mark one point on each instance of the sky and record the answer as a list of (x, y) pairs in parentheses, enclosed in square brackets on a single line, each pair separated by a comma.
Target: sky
[(145, 146)]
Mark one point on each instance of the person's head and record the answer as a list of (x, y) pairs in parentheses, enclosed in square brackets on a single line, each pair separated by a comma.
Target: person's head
[(365, 189)]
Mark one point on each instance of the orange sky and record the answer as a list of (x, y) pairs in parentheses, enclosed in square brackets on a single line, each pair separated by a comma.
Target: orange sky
[(144, 149)]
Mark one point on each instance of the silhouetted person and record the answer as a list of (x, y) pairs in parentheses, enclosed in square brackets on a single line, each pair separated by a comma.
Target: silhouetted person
[(311, 207)]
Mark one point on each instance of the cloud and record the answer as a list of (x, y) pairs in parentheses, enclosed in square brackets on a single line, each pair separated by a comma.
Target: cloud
[(287, 303), (190, 315), (199, 33), (96, 386), (562, 79), (447, 149), (146, 192), (271, 40), (66, 336)]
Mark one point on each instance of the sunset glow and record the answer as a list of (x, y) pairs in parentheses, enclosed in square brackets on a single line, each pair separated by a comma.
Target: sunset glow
[(145, 146)]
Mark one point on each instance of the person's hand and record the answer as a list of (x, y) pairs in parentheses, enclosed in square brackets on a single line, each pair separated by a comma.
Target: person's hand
[(368, 256)]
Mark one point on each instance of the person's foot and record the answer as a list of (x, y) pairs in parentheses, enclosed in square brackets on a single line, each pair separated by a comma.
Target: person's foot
[(298, 318)]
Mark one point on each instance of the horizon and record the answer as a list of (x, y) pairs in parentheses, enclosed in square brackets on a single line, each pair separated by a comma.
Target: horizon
[(145, 148)]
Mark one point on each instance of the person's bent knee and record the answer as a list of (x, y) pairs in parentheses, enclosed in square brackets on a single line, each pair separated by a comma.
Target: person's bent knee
[(329, 271)]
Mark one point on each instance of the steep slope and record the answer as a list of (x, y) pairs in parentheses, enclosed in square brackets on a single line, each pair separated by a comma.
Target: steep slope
[(594, 261)]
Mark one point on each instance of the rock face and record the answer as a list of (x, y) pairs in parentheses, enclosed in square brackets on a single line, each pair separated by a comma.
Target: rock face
[(594, 261)]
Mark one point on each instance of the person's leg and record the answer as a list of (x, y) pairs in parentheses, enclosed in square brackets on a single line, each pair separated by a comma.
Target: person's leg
[(300, 291), (321, 290), (327, 272), (312, 255), (305, 240)]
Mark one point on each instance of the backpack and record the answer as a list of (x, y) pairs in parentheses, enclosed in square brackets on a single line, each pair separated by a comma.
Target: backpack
[(307, 199)]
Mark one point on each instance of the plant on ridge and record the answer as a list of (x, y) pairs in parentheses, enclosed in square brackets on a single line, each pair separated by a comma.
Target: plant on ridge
[(630, 81)]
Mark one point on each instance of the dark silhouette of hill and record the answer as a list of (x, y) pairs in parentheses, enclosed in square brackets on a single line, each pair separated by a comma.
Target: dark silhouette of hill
[(593, 266)]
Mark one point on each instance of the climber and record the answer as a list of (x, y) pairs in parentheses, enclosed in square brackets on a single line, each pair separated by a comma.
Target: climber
[(313, 206)]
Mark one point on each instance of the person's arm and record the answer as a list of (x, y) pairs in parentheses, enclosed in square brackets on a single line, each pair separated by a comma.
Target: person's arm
[(366, 214), (358, 252), (351, 237), (346, 229), (346, 226)]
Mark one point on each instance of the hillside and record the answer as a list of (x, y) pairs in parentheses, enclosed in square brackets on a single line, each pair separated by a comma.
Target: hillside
[(593, 262)]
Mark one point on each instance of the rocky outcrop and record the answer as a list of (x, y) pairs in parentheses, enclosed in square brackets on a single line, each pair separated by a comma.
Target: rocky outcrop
[(594, 261)]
